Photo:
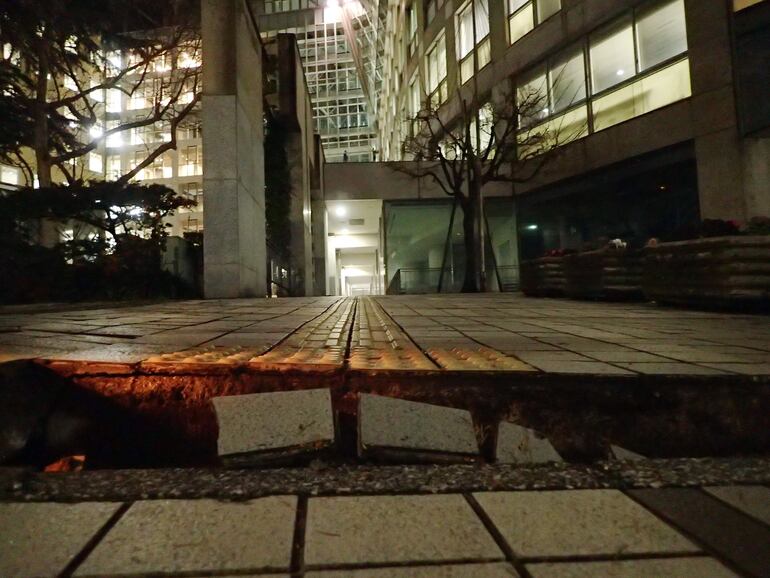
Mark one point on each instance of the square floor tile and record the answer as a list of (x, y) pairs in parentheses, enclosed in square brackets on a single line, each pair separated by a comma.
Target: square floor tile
[(197, 536), (383, 529), (493, 570), (660, 568), (579, 522), (41, 539)]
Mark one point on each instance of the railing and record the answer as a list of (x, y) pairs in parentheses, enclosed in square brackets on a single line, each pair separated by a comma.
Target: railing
[(509, 278), (416, 281)]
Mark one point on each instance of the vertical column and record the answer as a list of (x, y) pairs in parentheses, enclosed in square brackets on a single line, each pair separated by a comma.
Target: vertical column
[(233, 155), (717, 141)]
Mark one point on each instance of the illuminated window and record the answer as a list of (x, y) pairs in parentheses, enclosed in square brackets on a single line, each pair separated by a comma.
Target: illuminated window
[(473, 32), (113, 100), (638, 64), (567, 80), (436, 72), (9, 175), (612, 55), (411, 22), (191, 163), (115, 139), (95, 162), (661, 34), (524, 15), (114, 168)]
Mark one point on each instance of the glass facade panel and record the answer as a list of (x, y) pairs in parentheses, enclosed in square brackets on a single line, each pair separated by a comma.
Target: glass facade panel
[(415, 238), (567, 78), (612, 56), (502, 240), (661, 34)]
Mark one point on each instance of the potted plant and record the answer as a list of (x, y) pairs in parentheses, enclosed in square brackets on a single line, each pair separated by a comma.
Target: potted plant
[(726, 267), (612, 272), (544, 277)]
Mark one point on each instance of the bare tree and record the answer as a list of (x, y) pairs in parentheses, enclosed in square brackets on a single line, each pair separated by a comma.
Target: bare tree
[(507, 139), (63, 61)]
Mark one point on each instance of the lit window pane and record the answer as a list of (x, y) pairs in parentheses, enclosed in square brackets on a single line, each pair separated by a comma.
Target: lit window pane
[(465, 31), (9, 175), (484, 54), (650, 93), (514, 5), (568, 80), (522, 23), (532, 98), (547, 8), (481, 11), (661, 34), (466, 70), (612, 56)]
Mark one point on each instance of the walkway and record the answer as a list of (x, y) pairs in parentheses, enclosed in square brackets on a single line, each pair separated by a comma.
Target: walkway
[(500, 332)]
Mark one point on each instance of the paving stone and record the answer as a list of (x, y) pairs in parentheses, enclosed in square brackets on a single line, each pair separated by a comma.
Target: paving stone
[(118, 353), (672, 368), (388, 529), (752, 500), (579, 522), (157, 536), (491, 570), (517, 444), (267, 425), (696, 567), (727, 532), (40, 539), (585, 367), (398, 427)]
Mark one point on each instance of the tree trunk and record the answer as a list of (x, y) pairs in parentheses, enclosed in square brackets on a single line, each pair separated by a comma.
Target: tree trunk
[(48, 234)]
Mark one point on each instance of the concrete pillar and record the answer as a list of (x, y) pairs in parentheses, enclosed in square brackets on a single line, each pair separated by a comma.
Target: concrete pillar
[(301, 238), (717, 141), (756, 179), (233, 156)]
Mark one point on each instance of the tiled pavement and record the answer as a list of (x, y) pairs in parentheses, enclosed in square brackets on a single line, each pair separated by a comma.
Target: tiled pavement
[(626, 533), (496, 332), (672, 533)]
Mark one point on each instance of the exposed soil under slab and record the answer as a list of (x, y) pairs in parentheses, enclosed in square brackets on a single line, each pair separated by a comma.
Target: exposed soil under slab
[(121, 415)]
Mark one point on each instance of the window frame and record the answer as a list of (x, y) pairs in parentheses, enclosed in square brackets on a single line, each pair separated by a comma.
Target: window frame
[(437, 94)]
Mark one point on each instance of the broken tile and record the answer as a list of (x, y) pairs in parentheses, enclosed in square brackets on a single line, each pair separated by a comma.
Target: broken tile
[(520, 445), (402, 429), (263, 426)]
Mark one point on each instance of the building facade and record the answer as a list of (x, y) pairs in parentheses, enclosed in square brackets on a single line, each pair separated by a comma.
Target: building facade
[(666, 96)]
